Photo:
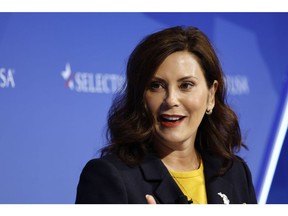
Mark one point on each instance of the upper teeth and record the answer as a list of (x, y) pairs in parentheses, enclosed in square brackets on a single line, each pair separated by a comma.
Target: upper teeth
[(171, 118)]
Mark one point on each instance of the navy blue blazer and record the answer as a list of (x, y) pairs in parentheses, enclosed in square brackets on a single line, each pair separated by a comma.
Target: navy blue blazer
[(110, 181)]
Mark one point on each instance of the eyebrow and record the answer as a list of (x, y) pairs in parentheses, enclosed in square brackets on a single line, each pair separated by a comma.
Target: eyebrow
[(186, 77), (179, 80)]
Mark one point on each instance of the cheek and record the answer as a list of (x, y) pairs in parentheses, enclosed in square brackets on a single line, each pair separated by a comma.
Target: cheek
[(197, 103), (152, 103)]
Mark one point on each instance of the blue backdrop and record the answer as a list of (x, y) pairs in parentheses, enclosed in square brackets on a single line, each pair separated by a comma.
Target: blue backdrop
[(59, 71)]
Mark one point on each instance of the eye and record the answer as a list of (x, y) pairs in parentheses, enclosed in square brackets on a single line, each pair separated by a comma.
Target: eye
[(186, 85), (156, 85)]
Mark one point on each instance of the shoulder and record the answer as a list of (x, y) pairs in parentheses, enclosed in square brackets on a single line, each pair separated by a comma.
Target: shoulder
[(239, 166), (241, 174), (107, 160), (101, 182), (109, 180), (97, 168), (240, 170), (237, 170), (111, 166), (237, 177), (235, 166), (107, 163)]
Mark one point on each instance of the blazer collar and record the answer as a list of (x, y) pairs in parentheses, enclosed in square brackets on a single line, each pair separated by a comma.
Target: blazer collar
[(218, 189), (167, 190)]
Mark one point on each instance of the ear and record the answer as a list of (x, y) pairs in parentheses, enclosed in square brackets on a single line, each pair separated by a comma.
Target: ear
[(211, 96)]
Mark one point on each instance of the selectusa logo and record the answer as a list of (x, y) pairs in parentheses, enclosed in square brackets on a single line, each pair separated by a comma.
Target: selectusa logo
[(85, 82), (7, 78)]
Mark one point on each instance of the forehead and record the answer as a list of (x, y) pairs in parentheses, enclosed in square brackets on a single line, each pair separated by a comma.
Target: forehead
[(180, 63)]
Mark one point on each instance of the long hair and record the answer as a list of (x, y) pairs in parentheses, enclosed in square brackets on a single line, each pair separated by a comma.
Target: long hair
[(130, 130)]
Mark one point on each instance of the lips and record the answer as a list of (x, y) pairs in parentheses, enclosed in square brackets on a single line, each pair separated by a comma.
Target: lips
[(170, 120)]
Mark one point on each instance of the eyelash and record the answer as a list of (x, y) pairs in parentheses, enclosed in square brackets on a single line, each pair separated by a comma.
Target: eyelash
[(156, 85), (190, 84)]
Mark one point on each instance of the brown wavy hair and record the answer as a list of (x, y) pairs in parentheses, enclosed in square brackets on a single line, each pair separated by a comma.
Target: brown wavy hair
[(130, 131)]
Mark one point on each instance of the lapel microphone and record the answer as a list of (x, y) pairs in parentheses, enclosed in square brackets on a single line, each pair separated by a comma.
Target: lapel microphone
[(182, 199)]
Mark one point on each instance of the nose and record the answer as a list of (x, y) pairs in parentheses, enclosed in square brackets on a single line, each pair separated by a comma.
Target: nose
[(171, 98)]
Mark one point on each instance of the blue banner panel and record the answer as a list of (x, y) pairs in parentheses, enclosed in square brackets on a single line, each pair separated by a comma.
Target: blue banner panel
[(279, 187), (59, 73)]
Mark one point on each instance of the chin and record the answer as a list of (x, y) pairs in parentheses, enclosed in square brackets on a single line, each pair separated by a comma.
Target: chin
[(172, 139)]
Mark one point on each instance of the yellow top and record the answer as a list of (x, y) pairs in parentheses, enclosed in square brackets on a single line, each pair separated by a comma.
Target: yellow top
[(192, 184)]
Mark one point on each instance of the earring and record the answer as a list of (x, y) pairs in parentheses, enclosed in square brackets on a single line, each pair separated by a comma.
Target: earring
[(209, 112)]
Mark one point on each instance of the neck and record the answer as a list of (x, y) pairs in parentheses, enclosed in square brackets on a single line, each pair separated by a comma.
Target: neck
[(181, 160)]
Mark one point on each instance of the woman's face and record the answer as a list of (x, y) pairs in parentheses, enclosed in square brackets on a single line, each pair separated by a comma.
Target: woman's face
[(177, 97)]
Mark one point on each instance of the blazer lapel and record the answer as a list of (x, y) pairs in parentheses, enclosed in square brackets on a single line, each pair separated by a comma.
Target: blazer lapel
[(218, 190), (167, 190)]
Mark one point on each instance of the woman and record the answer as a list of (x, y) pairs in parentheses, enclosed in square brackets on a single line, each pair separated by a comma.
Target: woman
[(172, 137)]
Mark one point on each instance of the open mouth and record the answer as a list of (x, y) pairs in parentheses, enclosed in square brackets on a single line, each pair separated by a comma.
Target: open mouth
[(170, 120)]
